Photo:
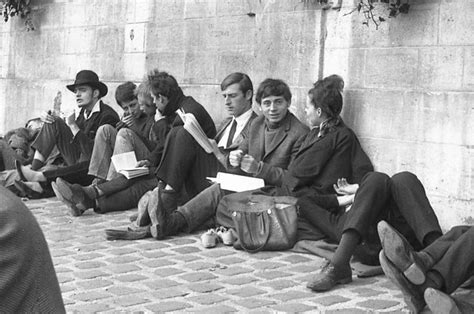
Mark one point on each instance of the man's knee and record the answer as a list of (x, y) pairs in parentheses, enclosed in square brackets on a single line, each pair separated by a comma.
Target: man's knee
[(375, 179), (125, 133), (404, 178), (106, 131)]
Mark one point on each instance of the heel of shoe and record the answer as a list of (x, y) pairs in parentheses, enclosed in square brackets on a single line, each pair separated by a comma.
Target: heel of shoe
[(415, 274)]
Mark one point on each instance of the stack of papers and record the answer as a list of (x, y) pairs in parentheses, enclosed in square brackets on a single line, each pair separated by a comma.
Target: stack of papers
[(125, 164)]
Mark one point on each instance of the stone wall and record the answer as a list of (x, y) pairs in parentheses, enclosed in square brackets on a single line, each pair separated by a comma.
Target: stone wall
[(409, 84)]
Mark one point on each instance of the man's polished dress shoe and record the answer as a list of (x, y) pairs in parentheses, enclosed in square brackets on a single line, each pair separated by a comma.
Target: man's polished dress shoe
[(330, 276)]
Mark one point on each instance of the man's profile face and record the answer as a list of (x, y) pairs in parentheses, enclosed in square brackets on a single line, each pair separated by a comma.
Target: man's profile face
[(85, 96), (236, 102), (274, 108), (131, 107)]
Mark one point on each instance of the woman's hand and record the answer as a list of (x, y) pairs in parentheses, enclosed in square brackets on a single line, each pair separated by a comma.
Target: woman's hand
[(342, 187), (345, 200)]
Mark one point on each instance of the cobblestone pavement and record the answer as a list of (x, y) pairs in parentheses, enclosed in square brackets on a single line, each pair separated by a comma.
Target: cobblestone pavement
[(178, 274)]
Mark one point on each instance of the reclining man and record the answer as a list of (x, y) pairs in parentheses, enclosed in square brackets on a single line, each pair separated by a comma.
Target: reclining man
[(273, 139), (74, 137), (121, 193), (425, 276)]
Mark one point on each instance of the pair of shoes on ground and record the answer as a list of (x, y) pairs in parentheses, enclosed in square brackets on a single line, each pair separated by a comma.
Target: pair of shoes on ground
[(73, 196), (407, 269), (211, 237)]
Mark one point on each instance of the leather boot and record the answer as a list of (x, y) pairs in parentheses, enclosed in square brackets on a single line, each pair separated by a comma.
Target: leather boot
[(161, 225)]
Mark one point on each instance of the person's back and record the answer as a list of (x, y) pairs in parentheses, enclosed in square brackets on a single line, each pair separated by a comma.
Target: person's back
[(28, 282)]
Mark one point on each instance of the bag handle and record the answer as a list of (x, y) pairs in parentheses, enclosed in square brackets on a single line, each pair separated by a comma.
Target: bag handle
[(243, 218)]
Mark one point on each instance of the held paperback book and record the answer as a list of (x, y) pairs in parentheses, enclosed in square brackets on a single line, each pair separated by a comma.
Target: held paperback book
[(125, 164)]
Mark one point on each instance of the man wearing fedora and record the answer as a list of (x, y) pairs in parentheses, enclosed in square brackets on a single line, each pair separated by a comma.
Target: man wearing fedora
[(73, 136)]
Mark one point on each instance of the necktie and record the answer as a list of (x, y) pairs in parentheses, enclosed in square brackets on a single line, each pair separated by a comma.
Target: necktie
[(230, 139)]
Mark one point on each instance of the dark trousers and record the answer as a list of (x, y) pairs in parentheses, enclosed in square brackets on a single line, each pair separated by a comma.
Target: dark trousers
[(76, 173), (122, 194), (400, 200), (60, 135), (453, 254), (185, 164)]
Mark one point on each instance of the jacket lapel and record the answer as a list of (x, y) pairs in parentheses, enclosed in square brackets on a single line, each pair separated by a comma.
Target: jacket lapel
[(224, 125), (279, 137)]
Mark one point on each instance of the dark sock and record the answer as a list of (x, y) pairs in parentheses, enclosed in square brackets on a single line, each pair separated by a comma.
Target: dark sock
[(36, 164), (345, 249), (91, 191), (434, 279), (431, 237)]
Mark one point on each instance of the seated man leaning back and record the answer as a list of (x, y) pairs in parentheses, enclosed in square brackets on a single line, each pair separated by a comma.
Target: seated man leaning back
[(272, 142), (74, 137)]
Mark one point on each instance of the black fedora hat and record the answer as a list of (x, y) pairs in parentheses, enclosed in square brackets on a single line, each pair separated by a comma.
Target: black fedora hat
[(88, 77)]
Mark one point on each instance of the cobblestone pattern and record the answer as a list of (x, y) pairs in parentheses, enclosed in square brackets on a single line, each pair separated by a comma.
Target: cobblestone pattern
[(178, 274)]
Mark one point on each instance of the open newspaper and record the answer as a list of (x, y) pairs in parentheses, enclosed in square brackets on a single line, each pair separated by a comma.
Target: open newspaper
[(125, 164), (194, 128), (237, 183)]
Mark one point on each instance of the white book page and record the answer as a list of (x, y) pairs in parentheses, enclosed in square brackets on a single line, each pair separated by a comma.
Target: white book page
[(236, 183), (124, 161)]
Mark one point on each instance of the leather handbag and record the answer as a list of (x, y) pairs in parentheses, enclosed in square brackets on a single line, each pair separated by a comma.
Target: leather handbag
[(265, 223)]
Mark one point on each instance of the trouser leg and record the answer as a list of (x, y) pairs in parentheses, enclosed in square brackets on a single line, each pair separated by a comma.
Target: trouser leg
[(412, 213), (120, 183), (457, 264), (102, 152), (59, 134), (127, 198), (128, 141), (202, 207), (371, 204), (77, 173), (185, 163)]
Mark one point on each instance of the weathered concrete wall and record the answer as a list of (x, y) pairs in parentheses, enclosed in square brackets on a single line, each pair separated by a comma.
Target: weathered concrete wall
[(409, 84), (410, 96)]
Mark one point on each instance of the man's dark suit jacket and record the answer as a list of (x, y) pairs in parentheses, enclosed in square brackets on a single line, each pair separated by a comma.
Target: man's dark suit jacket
[(238, 139), (28, 282), (284, 147), (88, 128)]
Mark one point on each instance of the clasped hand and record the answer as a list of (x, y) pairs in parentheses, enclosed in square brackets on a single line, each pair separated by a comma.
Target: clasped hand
[(346, 191), (246, 162)]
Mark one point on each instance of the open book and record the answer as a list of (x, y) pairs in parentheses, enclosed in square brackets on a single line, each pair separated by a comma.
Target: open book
[(236, 183), (125, 164), (194, 128)]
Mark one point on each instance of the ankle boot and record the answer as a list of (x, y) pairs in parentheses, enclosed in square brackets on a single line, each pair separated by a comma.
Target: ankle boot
[(159, 214)]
